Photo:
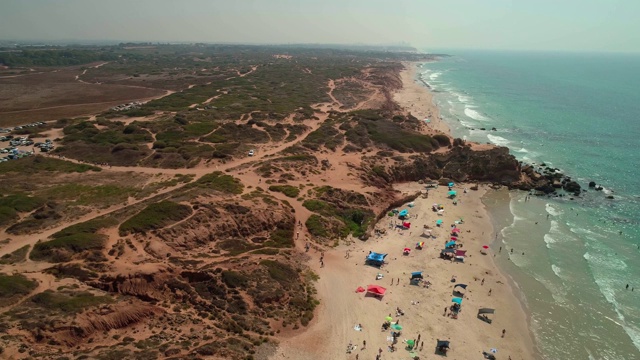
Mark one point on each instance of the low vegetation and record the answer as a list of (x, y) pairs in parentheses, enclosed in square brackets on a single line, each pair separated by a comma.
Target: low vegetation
[(288, 190), (155, 216), (11, 205), (68, 303), (220, 182), (12, 287), (38, 163), (77, 239)]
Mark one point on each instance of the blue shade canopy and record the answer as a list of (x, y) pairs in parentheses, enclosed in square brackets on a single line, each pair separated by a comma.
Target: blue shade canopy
[(457, 300), (450, 243), (404, 212)]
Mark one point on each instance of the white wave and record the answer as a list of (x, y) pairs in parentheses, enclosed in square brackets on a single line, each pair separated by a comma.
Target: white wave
[(434, 75), (498, 140), (548, 239), (552, 210), (470, 112), (556, 270), (555, 227), (465, 99), (522, 150)]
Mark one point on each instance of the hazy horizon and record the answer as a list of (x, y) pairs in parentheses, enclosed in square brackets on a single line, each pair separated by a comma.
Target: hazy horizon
[(593, 26)]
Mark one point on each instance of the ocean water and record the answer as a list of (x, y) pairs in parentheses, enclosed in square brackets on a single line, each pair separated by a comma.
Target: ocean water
[(572, 259)]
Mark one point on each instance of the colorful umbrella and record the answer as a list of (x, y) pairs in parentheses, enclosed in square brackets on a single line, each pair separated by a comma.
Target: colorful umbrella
[(485, 247), (388, 318), (439, 222), (396, 327), (457, 300), (411, 343), (454, 238), (455, 230)]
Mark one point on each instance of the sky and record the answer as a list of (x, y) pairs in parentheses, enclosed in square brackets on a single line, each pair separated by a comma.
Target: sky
[(553, 25)]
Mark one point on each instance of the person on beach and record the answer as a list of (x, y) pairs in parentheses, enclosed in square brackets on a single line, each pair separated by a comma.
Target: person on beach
[(364, 344), (482, 282), (627, 287), (503, 332), (421, 345), (445, 311), (489, 292), (499, 251)]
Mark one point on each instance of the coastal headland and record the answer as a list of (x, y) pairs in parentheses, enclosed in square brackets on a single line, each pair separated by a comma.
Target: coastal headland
[(213, 219)]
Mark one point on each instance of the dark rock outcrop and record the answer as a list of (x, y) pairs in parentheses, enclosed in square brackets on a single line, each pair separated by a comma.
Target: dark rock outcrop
[(572, 186), (462, 163)]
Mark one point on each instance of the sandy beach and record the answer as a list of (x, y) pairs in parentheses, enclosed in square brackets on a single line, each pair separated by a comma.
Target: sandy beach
[(342, 307), (417, 100)]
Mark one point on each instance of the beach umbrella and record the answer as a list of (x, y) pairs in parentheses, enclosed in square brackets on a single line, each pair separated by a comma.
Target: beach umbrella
[(454, 238), (450, 243), (485, 247), (452, 193), (388, 318), (411, 343), (457, 300), (451, 184), (407, 249), (455, 230), (439, 222), (396, 327)]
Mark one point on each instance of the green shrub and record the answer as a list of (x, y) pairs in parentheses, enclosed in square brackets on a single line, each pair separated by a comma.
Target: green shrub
[(155, 216), (288, 190), (13, 286), (443, 140), (38, 163), (234, 279), (68, 303), (63, 248), (316, 226), (220, 182), (315, 205)]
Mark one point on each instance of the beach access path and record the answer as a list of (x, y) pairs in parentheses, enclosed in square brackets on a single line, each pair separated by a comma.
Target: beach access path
[(342, 307)]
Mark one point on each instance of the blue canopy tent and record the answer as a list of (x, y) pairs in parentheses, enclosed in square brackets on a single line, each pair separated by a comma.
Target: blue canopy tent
[(457, 300), (375, 259), (416, 277), (450, 244), (403, 213)]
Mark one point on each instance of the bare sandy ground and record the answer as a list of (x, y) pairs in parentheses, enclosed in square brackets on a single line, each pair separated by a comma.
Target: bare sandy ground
[(342, 307), (416, 99)]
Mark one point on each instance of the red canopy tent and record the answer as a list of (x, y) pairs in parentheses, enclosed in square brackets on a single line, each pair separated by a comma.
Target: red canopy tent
[(376, 290), (406, 224)]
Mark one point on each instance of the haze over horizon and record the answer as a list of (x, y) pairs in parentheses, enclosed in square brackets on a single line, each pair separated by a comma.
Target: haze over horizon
[(570, 25)]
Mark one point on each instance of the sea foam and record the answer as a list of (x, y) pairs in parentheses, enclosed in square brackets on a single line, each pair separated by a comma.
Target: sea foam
[(470, 112), (498, 140)]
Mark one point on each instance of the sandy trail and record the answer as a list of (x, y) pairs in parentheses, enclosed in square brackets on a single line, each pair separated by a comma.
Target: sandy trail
[(18, 241)]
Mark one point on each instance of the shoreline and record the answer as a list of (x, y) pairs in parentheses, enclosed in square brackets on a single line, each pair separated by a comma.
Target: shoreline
[(418, 91), (332, 329), (418, 100)]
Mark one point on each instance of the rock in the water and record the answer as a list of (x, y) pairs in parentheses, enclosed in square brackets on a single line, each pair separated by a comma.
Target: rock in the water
[(610, 197), (598, 188), (572, 186), (592, 184)]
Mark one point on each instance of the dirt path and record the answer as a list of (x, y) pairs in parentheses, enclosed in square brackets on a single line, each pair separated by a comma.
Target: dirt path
[(19, 241), (332, 86)]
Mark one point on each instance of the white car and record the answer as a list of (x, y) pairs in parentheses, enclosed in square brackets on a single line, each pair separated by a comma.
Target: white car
[(252, 152)]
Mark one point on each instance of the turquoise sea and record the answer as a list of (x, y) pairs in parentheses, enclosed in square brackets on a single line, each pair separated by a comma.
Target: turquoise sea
[(571, 259)]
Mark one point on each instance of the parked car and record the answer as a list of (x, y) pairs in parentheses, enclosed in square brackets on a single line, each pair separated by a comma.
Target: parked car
[(252, 152)]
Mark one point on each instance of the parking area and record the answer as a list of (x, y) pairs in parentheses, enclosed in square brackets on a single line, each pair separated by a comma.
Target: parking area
[(13, 147)]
